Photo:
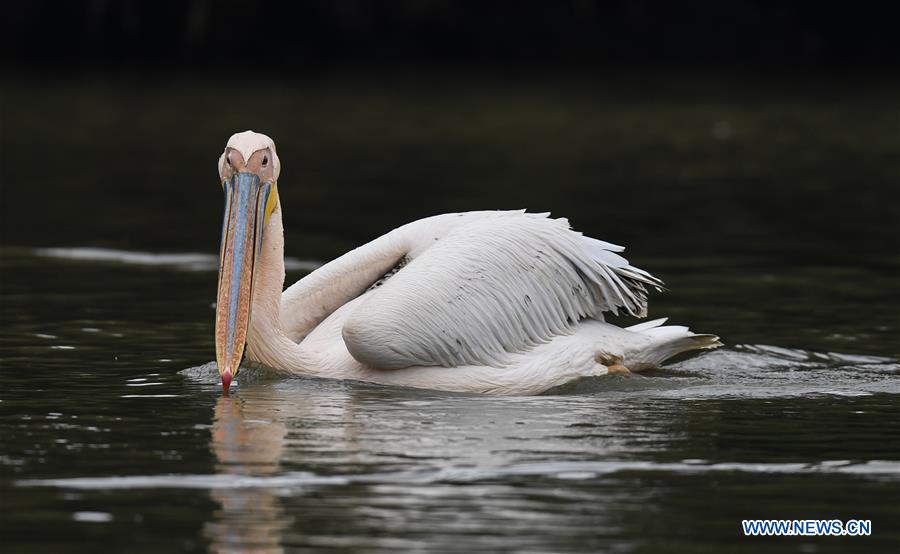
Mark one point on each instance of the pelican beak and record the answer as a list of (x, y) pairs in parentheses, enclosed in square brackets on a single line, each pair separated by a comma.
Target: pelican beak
[(248, 204)]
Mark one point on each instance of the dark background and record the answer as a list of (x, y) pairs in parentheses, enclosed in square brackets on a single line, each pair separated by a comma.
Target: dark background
[(709, 128), (582, 34)]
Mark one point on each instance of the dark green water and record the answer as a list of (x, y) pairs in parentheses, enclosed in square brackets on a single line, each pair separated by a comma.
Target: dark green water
[(772, 217)]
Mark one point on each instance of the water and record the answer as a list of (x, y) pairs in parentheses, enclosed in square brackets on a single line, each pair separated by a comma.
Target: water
[(115, 434)]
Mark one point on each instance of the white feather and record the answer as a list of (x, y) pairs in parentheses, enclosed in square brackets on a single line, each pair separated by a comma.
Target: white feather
[(467, 279), (496, 284)]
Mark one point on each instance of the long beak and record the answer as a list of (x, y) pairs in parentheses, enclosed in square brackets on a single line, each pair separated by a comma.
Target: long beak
[(242, 233)]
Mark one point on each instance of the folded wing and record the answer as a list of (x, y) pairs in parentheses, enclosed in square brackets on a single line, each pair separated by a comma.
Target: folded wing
[(491, 285)]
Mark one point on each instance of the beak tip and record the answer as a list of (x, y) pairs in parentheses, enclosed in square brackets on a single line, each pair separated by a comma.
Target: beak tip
[(226, 381)]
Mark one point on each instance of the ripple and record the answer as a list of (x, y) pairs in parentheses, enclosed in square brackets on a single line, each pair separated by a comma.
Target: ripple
[(567, 471), (799, 355), (208, 373), (744, 371), (189, 261)]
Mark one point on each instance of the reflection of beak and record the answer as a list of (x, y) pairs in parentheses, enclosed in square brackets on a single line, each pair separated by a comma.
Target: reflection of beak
[(242, 233)]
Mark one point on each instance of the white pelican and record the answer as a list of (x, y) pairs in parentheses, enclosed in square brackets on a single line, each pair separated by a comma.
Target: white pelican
[(499, 302)]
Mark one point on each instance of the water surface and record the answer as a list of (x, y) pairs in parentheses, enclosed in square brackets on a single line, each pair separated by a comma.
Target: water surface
[(771, 217), (116, 434)]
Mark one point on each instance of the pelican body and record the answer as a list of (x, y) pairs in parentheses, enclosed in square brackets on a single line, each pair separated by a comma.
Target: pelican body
[(495, 302)]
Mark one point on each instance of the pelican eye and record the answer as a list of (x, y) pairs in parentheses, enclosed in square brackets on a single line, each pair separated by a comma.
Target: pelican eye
[(265, 160)]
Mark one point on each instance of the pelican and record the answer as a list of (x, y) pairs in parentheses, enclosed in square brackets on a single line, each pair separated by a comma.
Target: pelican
[(494, 302)]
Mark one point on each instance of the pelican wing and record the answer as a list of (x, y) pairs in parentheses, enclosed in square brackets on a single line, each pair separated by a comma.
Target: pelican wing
[(309, 301), (492, 284)]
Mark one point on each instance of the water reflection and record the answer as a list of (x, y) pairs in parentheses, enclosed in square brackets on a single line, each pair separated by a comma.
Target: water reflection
[(360, 466), (246, 443), (313, 464)]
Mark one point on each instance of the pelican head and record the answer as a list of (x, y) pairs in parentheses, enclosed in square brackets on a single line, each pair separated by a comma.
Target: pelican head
[(248, 171)]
